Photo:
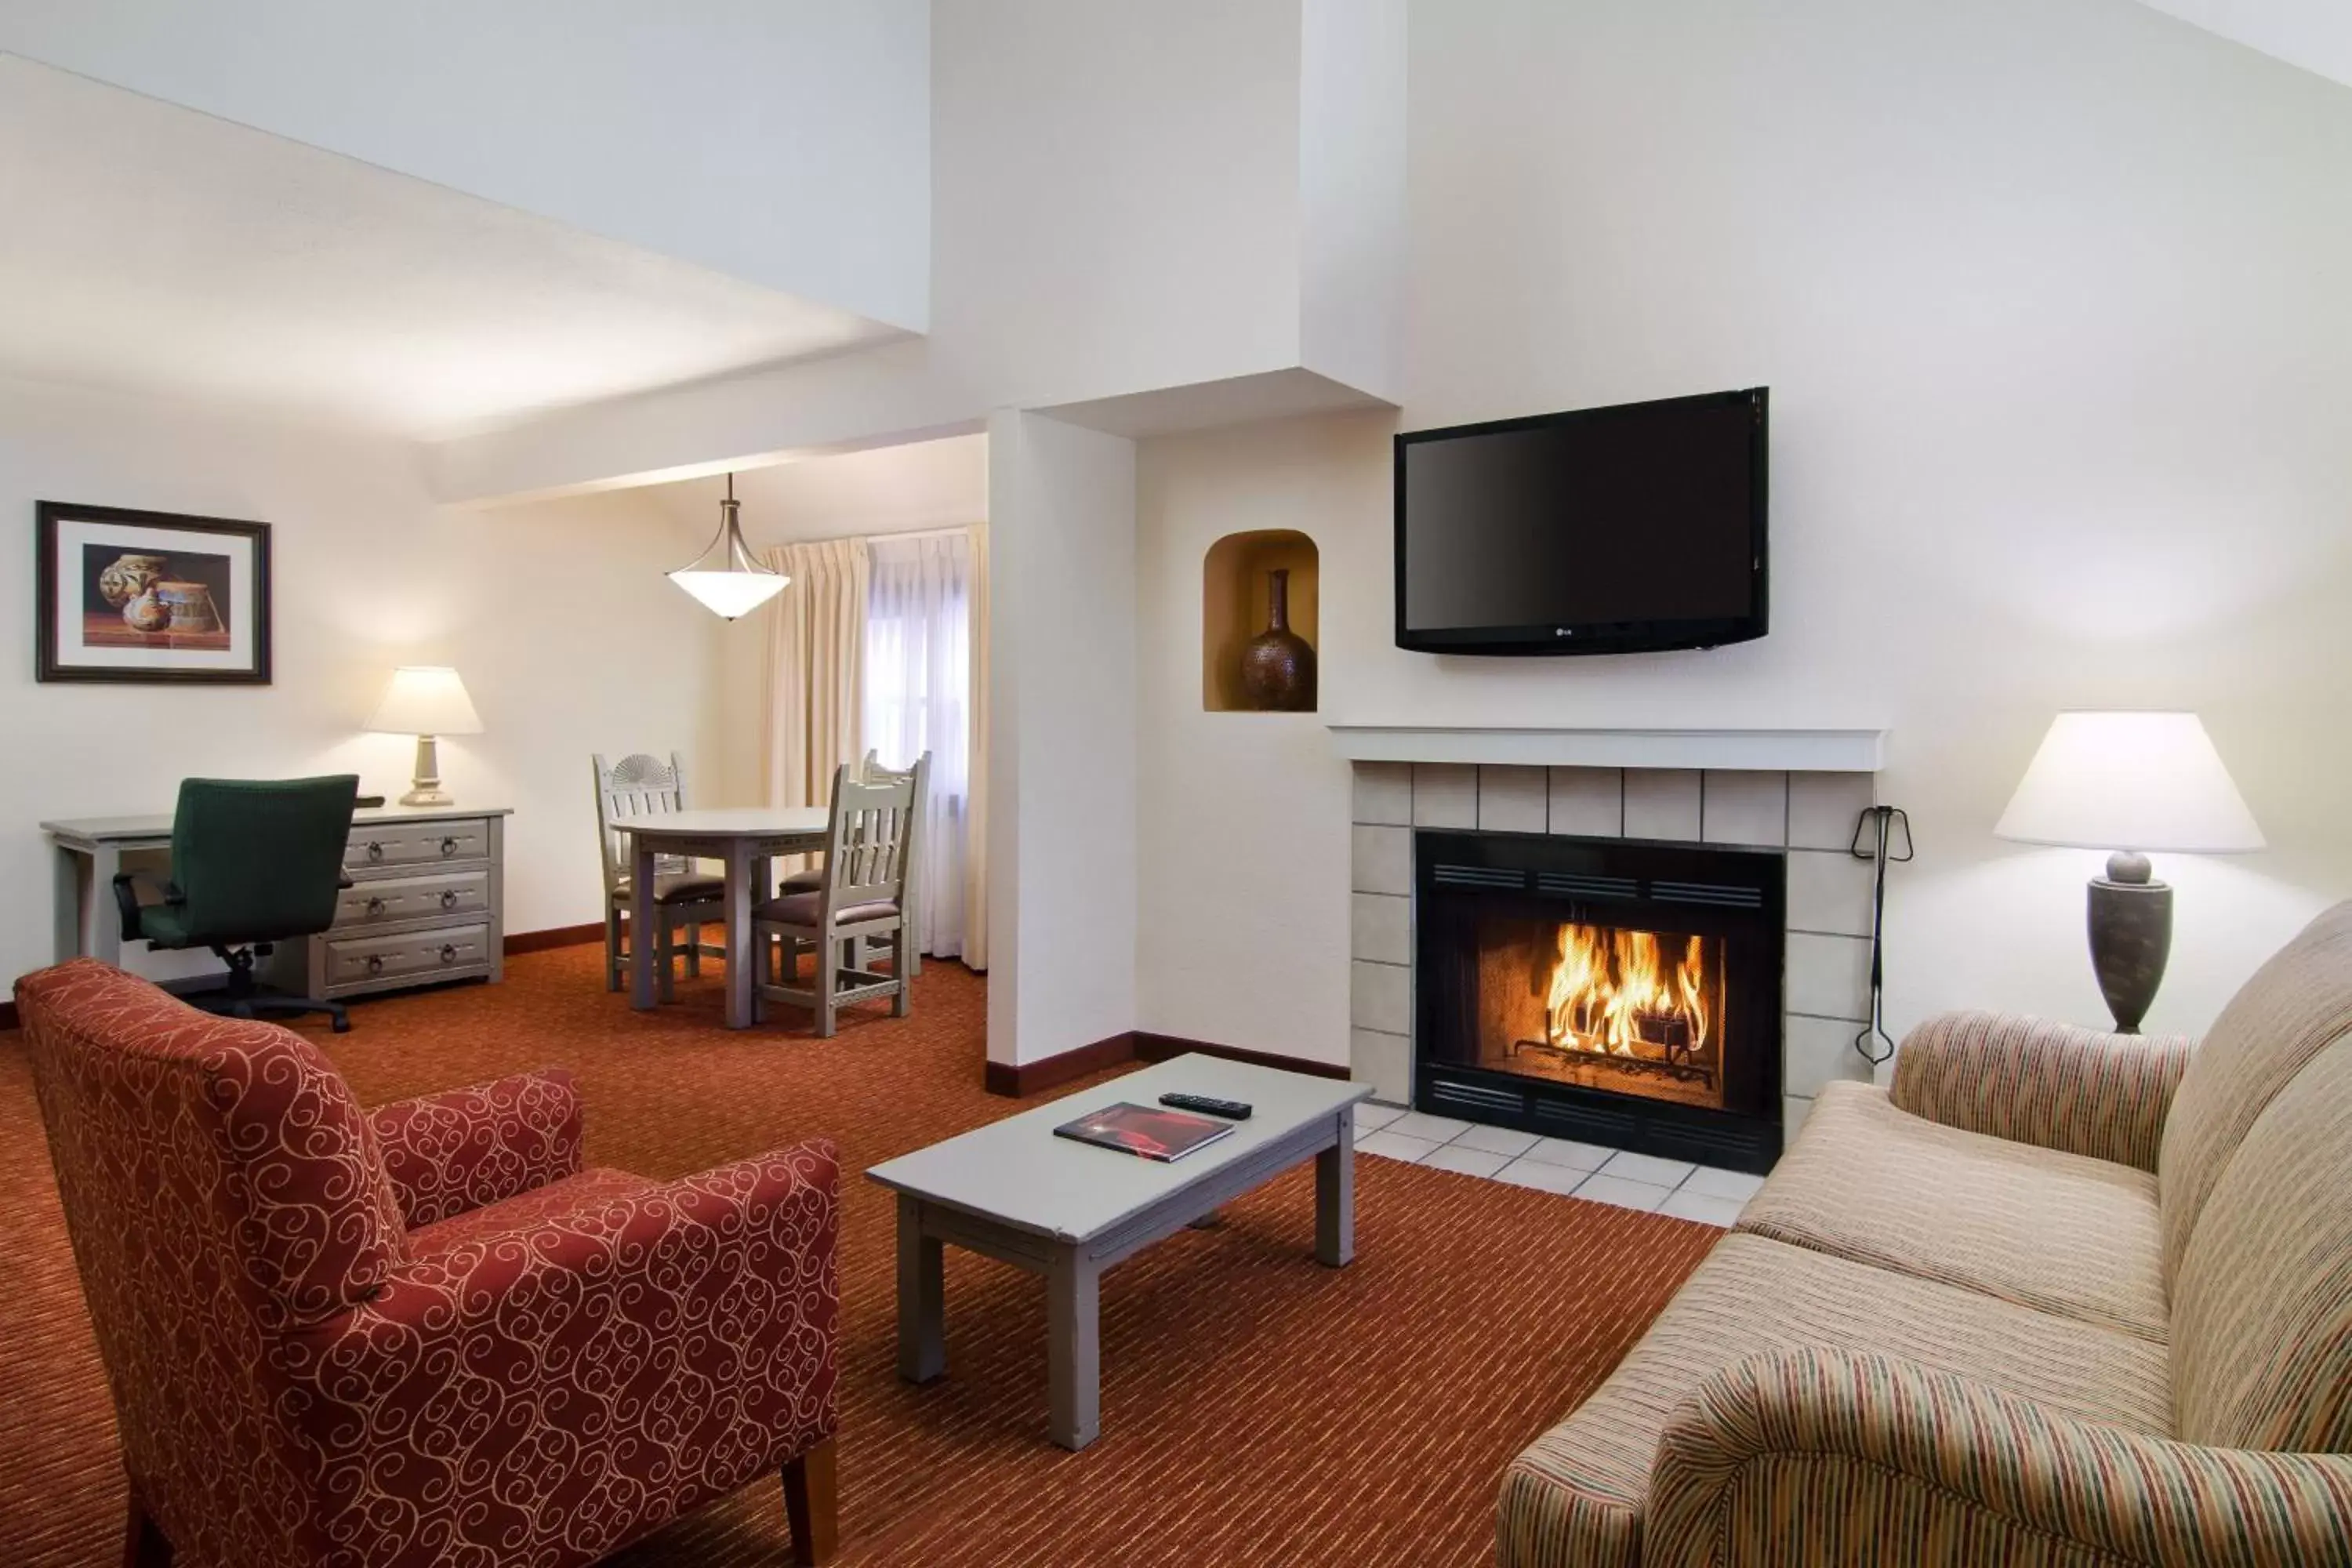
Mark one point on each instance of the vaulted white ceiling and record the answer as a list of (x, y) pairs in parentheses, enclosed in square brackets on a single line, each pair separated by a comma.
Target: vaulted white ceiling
[(154, 250), (2313, 34)]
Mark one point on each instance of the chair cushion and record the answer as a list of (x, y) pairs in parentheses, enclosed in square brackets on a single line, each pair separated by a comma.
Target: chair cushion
[(805, 881), (2261, 1331), (2295, 1007), (677, 888), (800, 909), (2061, 1232), (525, 1211), (1576, 1495)]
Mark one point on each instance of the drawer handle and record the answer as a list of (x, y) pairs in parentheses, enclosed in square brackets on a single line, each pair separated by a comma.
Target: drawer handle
[(375, 850), (448, 952), (375, 963), (375, 906), (449, 898), (448, 846)]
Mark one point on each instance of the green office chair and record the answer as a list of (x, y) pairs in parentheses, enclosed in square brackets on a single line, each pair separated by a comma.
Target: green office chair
[(254, 862)]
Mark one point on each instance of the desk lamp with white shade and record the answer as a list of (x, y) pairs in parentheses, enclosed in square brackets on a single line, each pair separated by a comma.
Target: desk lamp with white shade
[(2129, 782), (425, 700)]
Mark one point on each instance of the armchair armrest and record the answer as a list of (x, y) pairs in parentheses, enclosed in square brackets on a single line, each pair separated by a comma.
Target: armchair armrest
[(1832, 1456), (2081, 1091), (451, 1152), (663, 1347)]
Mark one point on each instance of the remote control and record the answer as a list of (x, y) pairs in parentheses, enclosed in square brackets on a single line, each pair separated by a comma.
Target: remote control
[(1207, 1105)]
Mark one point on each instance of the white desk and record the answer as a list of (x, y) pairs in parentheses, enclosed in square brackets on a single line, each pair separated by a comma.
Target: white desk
[(426, 901)]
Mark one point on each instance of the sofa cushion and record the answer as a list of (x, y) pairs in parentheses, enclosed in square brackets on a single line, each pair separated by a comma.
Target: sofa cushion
[(2295, 1006), (2060, 1232), (1574, 1499), (2262, 1305)]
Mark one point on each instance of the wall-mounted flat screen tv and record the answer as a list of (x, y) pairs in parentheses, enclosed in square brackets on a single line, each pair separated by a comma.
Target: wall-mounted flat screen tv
[(1603, 530)]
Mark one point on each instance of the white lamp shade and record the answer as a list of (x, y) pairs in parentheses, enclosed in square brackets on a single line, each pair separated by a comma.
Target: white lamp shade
[(732, 594), (425, 699), (2129, 782)]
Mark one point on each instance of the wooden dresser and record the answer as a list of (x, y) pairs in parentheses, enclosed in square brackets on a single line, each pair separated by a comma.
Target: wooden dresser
[(427, 901), (425, 904)]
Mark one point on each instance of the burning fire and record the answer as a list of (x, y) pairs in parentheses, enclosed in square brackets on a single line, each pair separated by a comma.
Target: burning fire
[(1618, 993)]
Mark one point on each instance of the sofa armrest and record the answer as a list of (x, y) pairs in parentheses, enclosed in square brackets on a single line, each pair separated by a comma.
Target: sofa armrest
[(593, 1376), (452, 1152), (2080, 1091), (1830, 1457)]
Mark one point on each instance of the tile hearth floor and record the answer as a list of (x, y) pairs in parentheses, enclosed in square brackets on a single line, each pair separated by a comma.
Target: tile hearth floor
[(1616, 1176)]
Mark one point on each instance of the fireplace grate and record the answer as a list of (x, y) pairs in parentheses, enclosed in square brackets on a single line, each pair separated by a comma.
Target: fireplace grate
[(1576, 885), (1502, 876), (1719, 895)]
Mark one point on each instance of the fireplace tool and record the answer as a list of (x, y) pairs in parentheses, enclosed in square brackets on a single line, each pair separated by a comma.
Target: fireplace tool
[(1873, 837)]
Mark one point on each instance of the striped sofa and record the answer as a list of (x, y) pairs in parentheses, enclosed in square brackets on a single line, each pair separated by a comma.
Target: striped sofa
[(2058, 1299)]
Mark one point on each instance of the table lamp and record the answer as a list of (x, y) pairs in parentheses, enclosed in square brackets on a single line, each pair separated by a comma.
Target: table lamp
[(2129, 782), (425, 700)]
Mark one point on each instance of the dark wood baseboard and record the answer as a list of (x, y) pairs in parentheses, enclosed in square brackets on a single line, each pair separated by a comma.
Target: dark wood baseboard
[(560, 936), (1151, 1047), (517, 942), (1135, 1045), (1050, 1072)]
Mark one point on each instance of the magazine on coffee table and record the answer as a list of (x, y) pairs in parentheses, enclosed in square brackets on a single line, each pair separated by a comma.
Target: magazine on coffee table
[(1152, 1131)]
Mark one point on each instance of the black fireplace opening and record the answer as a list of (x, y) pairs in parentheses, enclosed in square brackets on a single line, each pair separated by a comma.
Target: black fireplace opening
[(1614, 991)]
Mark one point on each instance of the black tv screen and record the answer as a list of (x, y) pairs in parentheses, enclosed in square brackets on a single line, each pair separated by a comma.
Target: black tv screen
[(1603, 530)]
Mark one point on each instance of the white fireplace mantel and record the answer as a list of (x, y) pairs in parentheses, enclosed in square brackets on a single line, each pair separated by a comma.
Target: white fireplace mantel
[(1729, 751)]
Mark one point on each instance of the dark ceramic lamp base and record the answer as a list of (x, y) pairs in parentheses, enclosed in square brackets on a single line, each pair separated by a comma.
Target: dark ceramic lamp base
[(2131, 937)]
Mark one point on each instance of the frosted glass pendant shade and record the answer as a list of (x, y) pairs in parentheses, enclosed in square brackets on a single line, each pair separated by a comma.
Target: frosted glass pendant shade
[(2130, 781), (724, 577)]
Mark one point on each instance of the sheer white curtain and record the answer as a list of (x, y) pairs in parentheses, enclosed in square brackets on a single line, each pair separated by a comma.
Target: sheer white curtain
[(919, 629)]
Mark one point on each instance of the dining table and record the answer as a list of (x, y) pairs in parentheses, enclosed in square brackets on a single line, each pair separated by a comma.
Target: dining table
[(745, 839)]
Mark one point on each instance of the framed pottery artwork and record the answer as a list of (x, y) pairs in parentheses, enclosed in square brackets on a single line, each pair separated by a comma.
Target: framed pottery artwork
[(148, 596)]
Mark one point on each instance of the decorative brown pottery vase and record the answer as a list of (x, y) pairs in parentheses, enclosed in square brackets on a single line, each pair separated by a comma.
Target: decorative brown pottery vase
[(1277, 667), (191, 606), (129, 577)]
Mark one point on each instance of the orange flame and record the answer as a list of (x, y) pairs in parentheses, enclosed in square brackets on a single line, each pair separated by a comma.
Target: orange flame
[(1607, 983)]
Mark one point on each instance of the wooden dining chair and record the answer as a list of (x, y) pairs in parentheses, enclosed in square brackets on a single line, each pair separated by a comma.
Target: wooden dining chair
[(905, 947), (684, 896), (871, 839)]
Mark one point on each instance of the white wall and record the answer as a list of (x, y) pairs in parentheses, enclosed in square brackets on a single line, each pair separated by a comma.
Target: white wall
[(787, 141), (1351, 185), (556, 617), (1126, 199), (1062, 847), (890, 489), (2050, 295)]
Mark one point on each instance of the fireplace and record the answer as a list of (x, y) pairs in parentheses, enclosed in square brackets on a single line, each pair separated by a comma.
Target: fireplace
[(1618, 992)]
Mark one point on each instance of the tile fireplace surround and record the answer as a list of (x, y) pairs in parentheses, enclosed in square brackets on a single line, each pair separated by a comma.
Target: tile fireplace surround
[(1808, 815)]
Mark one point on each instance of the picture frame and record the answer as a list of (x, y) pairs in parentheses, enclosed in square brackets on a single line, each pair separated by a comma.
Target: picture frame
[(148, 597)]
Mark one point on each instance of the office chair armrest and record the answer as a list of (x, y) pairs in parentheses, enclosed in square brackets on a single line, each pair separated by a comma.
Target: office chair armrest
[(452, 1152), (127, 902)]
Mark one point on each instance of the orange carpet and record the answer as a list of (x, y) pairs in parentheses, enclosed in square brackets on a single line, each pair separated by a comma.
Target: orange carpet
[(1256, 1407)]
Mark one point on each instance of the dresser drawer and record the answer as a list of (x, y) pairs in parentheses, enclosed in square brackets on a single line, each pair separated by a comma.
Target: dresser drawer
[(417, 955), (418, 843), (388, 900)]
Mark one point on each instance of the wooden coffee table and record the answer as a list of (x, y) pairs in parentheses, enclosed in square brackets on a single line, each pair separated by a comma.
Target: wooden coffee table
[(1067, 1210)]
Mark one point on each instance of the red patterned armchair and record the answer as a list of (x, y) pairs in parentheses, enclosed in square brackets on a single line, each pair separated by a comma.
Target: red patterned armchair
[(423, 1334)]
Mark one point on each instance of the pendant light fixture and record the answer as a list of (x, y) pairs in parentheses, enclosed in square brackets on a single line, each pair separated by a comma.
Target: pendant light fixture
[(737, 583)]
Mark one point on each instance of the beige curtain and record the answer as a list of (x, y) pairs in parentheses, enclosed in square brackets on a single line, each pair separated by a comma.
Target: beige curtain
[(975, 822), (816, 669)]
